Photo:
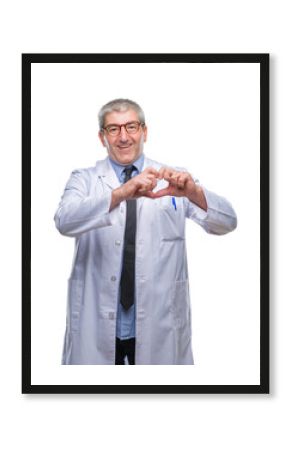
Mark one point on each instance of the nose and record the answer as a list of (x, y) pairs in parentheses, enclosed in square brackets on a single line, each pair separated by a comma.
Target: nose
[(123, 134)]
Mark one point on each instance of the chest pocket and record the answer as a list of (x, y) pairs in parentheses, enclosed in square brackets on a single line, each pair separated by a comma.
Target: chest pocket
[(171, 218)]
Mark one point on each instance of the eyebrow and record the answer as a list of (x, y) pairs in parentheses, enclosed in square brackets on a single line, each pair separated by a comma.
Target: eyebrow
[(120, 124)]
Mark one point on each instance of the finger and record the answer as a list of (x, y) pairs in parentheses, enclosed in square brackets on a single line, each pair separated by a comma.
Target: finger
[(182, 180), (173, 179), (180, 183), (161, 193), (151, 177), (149, 194), (146, 185), (188, 179), (165, 172), (143, 188), (152, 180), (161, 172), (152, 171), (142, 181), (153, 183), (171, 175)]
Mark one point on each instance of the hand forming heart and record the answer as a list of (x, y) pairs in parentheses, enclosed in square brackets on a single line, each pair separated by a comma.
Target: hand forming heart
[(180, 184)]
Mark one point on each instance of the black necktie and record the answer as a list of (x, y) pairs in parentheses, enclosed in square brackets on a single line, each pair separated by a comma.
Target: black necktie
[(128, 269)]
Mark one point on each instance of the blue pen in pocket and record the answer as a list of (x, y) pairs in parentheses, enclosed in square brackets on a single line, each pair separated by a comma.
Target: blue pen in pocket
[(173, 202)]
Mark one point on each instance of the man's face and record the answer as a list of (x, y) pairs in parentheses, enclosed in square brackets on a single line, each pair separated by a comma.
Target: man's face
[(124, 148)]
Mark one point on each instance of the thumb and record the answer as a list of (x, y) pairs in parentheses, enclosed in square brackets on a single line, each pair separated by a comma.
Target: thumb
[(162, 193)]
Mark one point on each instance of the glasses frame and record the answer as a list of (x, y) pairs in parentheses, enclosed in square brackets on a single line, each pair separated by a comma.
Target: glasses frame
[(142, 124)]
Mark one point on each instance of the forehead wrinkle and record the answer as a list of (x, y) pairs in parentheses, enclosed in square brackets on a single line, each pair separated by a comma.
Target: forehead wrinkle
[(121, 114)]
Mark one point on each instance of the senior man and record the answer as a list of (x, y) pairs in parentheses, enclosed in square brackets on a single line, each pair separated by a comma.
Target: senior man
[(128, 293)]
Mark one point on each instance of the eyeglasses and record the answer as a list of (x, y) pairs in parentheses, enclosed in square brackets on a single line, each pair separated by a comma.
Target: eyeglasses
[(130, 127)]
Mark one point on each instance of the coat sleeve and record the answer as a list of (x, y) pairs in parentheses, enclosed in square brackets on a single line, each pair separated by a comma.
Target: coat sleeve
[(220, 217), (79, 211)]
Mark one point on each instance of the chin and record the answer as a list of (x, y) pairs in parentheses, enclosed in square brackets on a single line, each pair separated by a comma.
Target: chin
[(127, 159)]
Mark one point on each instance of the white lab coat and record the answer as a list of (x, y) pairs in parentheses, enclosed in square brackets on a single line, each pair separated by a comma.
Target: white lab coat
[(163, 315)]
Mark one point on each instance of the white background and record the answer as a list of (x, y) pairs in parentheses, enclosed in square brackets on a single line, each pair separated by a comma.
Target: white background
[(201, 116), (205, 421)]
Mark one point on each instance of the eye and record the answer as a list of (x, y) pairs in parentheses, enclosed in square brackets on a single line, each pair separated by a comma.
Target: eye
[(132, 127), (112, 129)]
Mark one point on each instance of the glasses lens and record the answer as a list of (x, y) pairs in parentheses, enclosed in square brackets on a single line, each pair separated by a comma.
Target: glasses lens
[(113, 130), (132, 127)]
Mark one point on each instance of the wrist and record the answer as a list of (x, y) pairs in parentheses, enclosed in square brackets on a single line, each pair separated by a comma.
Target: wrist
[(197, 196), (117, 197)]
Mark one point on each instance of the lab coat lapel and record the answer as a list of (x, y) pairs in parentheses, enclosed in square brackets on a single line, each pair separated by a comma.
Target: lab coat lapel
[(106, 171)]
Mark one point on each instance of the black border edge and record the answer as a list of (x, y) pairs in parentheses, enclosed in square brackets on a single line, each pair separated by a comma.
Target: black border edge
[(144, 57), (27, 60), (146, 389), (265, 223), (26, 225)]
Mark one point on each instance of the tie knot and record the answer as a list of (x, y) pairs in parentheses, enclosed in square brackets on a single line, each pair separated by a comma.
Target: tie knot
[(128, 172)]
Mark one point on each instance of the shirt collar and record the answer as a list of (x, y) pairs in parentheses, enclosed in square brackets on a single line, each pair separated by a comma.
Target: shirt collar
[(119, 168)]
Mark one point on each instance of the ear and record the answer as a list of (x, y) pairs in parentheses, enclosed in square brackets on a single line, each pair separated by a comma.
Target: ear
[(145, 133), (102, 138)]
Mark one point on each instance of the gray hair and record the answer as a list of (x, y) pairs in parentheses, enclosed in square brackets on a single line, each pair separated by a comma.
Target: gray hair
[(120, 105)]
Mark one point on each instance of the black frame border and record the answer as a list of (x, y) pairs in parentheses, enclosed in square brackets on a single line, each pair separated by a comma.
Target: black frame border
[(260, 58)]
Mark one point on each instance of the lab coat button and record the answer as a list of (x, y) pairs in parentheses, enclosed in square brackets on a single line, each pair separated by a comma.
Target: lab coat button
[(111, 315), (113, 278), (117, 242)]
